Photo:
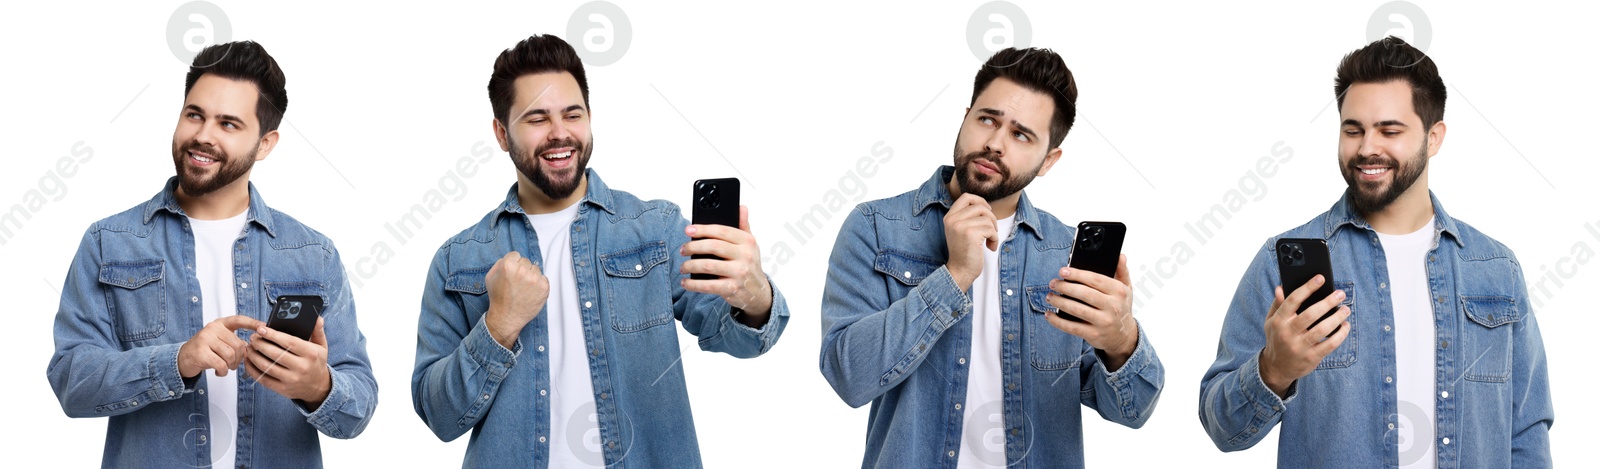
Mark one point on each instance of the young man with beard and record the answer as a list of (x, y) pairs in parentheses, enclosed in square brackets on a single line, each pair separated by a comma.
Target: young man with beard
[(940, 304), (546, 328), (1432, 357), (175, 290)]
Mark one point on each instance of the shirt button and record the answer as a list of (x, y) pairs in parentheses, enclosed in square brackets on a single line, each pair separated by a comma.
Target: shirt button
[(244, 284), (611, 444), (604, 396), (541, 439), (1391, 426), (958, 406), (541, 392), (170, 394), (1447, 441), (194, 299), (907, 274), (587, 304), (951, 454), (485, 397), (1444, 394), (135, 403), (1383, 285), (1008, 292), (1011, 336), (1012, 386), (961, 361), (1388, 379), (1016, 431), (202, 438), (638, 267), (202, 392), (1444, 344), (1386, 328), (541, 348)]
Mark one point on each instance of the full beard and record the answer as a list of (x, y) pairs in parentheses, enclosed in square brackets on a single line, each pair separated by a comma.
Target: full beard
[(193, 181), (1370, 197), (999, 186), (559, 186)]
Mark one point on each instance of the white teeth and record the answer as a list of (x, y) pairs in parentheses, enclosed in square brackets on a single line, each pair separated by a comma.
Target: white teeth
[(1374, 171), (558, 156), (201, 158)]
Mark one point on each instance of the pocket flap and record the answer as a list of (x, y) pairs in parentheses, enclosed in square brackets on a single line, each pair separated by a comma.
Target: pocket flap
[(276, 289), (469, 281), (1490, 311), (131, 275), (634, 262), (908, 269), (1038, 297)]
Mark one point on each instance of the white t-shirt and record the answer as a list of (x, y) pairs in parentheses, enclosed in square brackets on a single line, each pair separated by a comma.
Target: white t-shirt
[(1414, 343), (213, 267), (983, 439), (574, 425)]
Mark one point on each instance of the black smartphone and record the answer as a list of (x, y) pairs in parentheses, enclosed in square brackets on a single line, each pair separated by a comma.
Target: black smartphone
[(716, 202), (1096, 249), (1300, 259), (296, 315)]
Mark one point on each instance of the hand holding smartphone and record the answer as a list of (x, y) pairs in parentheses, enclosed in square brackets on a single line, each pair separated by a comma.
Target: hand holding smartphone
[(716, 202), (1300, 259), (1097, 248)]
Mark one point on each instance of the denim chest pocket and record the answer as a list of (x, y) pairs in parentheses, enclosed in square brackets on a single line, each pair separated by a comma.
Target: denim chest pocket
[(907, 269), (637, 288), (136, 298), (469, 285), (1486, 337), (1049, 348), (1345, 355)]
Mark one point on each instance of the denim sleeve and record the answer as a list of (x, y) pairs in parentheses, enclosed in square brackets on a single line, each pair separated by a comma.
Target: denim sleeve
[(1236, 406), (1127, 396), (459, 365), (91, 375), (709, 317), (869, 343), (1532, 413), (354, 395)]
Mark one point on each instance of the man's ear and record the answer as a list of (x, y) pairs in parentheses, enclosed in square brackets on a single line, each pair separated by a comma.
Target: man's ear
[(1435, 138), (1050, 160), (266, 144), (500, 135)]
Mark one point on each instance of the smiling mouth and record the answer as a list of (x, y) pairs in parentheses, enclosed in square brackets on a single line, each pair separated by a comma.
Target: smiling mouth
[(1373, 172), (200, 158), (557, 155)]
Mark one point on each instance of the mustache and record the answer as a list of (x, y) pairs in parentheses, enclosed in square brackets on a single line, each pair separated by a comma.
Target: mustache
[(990, 156), (577, 147), (1373, 160), (213, 150)]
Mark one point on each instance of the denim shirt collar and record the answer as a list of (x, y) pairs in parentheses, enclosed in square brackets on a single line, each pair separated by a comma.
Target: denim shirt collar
[(936, 191), (1343, 213), (167, 200), (597, 194)]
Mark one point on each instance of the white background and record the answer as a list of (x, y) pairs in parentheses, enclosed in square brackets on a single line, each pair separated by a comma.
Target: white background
[(1178, 102)]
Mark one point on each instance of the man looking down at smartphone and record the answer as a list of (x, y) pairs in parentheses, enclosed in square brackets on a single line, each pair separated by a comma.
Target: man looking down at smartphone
[(940, 303), (547, 327), (175, 290), (1432, 357)]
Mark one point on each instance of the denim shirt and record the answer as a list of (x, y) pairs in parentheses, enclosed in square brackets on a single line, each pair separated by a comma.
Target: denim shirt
[(1492, 399), (625, 261), (131, 299), (894, 336)]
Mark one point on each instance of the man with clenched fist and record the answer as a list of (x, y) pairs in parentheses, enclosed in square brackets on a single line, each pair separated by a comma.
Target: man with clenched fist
[(546, 328)]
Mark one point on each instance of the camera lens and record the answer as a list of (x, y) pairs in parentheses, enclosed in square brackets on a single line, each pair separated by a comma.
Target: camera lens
[(1297, 254)]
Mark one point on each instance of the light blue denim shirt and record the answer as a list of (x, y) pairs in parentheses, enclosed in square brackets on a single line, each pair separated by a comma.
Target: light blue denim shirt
[(894, 336), (1492, 399), (625, 260), (131, 299)]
